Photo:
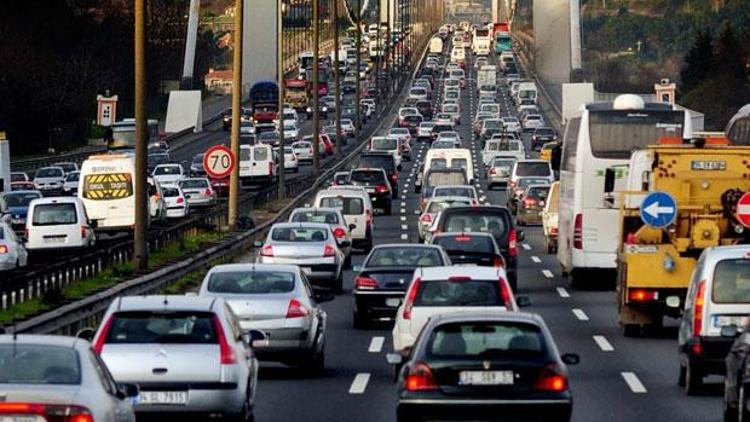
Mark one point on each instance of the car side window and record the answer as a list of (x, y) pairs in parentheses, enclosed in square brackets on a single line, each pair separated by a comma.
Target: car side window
[(106, 379), (306, 285), (233, 320)]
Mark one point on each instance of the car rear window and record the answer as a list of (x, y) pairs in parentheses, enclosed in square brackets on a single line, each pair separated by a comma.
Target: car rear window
[(532, 169), (368, 177), (472, 221), (486, 340), (183, 327), (446, 178), (371, 161), (732, 281), (405, 257), (251, 282), (457, 292), (384, 144), (167, 170), (438, 206), (538, 193), (194, 184), (299, 234), (260, 154), (467, 243), (326, 217), (20, 199), (347, 205), (39, 364), (453, 191), (54, 214), (170, 192)]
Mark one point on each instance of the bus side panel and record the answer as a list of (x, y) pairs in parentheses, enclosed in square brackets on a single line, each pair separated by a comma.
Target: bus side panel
[(566, 217)]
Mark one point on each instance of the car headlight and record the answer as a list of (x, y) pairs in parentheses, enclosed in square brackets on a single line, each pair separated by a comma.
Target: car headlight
[(325, 109), (309, 109)]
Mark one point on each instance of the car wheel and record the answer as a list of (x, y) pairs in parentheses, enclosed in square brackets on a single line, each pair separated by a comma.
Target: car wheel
[(730, 414), (694, 381), (315, 364)]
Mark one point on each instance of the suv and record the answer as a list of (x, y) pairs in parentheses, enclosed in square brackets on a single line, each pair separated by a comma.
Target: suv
[(493, 219), (376, 183), (381, 160)]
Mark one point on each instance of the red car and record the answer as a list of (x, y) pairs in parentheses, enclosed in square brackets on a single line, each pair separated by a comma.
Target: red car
[(327, 142), (220, 186)]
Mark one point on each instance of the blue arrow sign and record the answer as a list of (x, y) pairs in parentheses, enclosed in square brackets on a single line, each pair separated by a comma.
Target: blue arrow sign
[(658, 209)]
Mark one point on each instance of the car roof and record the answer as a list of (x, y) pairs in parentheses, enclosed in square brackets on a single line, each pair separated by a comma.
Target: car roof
[(300, 224), (56, 200), (489, 315), (49, 340), (442, 273), (315, 209), (225, 268), (164, 302)]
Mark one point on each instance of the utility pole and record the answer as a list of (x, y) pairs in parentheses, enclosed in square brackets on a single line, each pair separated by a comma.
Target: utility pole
[(336, 83), (234, 178), (316, 95), (280, 71), (357, 93), (140, 231)]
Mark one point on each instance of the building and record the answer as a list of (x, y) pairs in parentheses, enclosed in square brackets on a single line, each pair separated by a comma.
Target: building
[(219, 81)]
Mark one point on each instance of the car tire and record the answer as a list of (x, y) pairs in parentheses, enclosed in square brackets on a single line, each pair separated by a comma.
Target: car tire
[(245, 415), (316, 362), (729, 414), (694, 380)]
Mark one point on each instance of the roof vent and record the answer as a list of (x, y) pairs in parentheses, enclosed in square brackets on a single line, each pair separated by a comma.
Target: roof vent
[(629, 102)]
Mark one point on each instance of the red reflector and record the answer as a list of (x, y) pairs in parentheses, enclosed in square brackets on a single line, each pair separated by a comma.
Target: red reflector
[(697, 348), (642, 295)]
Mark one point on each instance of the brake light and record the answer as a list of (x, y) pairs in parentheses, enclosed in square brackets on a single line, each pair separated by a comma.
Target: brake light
[(420, 378), (47, 412), (463, 238), (529, 202), (99, 342), (180, 200), (513, 243), (493, 170), (551, 379), (339, 232), (505, 293), (498, 261), (228, 357), (381, 188), (83, 232), (578, 232), (328, 250), (394, 177), (698, 308), (270, 168), (642, 295), (3, 249), (410, 298), (426, 218), (296, 310), (365, 283), (459, 278), (267, 250)]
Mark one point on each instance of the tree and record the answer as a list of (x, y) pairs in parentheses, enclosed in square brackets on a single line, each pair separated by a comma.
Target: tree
[(698, 62), (729, 59)]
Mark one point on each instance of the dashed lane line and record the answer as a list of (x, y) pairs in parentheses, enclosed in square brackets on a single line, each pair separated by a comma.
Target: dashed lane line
[(548, 273), (536, 259), (360, 383), (580, 314), (562, 292), (526, 246), (603, 344), (376, 344), (636, 386)]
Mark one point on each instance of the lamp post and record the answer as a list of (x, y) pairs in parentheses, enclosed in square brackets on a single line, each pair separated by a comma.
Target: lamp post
[(316, 93), (336, 82), (357, 93)]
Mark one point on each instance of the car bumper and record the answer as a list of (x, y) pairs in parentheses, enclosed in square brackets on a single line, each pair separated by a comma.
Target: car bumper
[(282, 344), (176, 212), (325, 269), (713, 352), (472, 409), (7, 264), (530, 216), (197, 202), (380, 305)]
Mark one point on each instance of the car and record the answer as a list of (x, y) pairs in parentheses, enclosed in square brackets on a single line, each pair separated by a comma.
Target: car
[(498, 171), (451, 83), (387, 144), (278, 301), (303, 150), (424, 132), (17, 203), (291, 131), (49, 179), (340, 178), (515, 193), (407, 111), (478, 365), (154, 342), (19, 176), (333, 217), (550, 218), (445, 119), (347, 126), (425, 109), (488, 218), (418, 93), (376, 184), (411, 124), (531, 168), (70, 184), (13, 253), (247, 129), (177, 206), (383, 277), (269, 138), (380, 159), (440, 290), (511, 124), (196, 166), (479, 121), (154, 159), (433, 207), (323, 114), (168, 174), (226, 119), (220, 186), (290, 160), (56, 223), (454, 111), (541, 136), (449, 136), (312, 246), (470, 248), (531, 204), (198, 191), (356, 207), (531, 122), (67, 167), (68, 382), (491, 127), (451, 95)]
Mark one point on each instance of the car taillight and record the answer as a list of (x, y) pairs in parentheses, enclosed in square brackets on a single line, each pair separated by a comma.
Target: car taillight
[(339, 232), (365, 283), (410, 298), (529, 202), (513, 243), (426, 218), (642, 295), (180, 200), (551, 379), (26, 233), (328, 250), (505, 293), (698, 308), (3, 249), (84, 230), (381, 188), (99, 342), (578, 232), (394, 177), (270, 168), (493, 170), (553, 230), (46, 412), (420, 378), (267, 250), (228, 356), (369, 217), (519, 191), (498, 261), (296, 310)]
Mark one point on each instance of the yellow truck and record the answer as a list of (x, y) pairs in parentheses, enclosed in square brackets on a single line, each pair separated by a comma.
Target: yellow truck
[(296, 93), (706, 179)]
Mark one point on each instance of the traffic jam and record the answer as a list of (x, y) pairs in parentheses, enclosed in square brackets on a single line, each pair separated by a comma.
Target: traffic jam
[(475, 262)]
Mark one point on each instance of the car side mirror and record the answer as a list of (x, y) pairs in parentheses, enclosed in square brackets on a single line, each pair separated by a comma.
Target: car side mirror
[(571, 358), (127, 390), (523, 301), (322, 296), (94, 224), (521, 235), (730, 331), (86, 334), (394, 359), (357, 268)]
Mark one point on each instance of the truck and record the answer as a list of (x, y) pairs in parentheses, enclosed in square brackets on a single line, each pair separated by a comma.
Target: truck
[(706, 178), (487, 76), (481, 42), (296, 93), (264, 103), (503, 40)]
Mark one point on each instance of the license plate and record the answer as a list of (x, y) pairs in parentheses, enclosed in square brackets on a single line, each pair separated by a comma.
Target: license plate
[(163, 397), (708, 165), (393, 302), (370, 190), (724, 320), (485, 378), (54, 240)]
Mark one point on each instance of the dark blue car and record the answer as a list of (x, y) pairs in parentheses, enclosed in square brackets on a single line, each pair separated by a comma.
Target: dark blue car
[(18, 206)]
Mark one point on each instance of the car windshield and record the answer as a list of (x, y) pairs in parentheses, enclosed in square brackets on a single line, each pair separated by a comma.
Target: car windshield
[(251, 282), (38, 364), (533, 168), (167, 170), (454, 191), (384, 144), (194, 184), (304, 216), (732, 281), (404, 257), (163, 327), (465, 243), (347, 205), (486, 340), (299, 234), (49, 172), (459, 291), (54, 214), (469, 221), (20, 199)]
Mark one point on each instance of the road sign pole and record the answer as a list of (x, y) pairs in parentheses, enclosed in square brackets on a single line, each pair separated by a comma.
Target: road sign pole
[(140, 230), (234, 179)]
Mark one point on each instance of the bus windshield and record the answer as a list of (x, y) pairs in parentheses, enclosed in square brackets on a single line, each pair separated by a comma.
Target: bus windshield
[(615, 134)]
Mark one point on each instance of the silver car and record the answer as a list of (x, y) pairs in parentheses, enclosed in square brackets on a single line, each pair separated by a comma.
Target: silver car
[(187, 354), (433, 208), (312, 246), (48, 179), (335, 220), (65, 376), (198, 192), (498, 172), (277, 300)]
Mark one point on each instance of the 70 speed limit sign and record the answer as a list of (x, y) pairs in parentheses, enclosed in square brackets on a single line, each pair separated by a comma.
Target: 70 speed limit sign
[(219, 161)]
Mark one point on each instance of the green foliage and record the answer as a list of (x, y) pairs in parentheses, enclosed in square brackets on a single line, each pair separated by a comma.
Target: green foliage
[(698, 62)]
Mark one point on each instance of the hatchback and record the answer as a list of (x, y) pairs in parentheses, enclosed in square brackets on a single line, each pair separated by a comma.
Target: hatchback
[(376, 184), (333, 217), (198, 192), (12, 250), (174, 199), (435, 206), (531, 203), (49, 179)]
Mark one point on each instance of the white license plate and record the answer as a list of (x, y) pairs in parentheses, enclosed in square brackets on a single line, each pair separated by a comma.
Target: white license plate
[(485, 378), (163, 397), (370, 190), (723, 320), (54, 240), (393, 302)]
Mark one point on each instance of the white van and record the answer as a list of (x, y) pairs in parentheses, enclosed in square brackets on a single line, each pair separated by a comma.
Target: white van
[(257, 164), (436, 45), (450, 157), (388, 144), (526, 91), (57, 223), (356, 207), (531, 168)]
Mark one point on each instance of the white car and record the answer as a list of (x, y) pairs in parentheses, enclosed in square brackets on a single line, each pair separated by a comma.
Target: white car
[(12, 251), (303, 150), (247, 128), (168, 174), (70, 186), (290, 159), (291, 131), (49, 179), (198, 191), (511, 124), (441, 290), (533, 121), (174, 198)]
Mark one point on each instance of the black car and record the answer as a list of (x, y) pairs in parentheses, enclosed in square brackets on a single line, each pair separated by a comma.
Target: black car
[(478, 249), (196, 166), (492, 219), (226, 119), (425, 109), (348, 87), (541, 136), (478, 365), (381, 160), (384, 277), (376, 183)]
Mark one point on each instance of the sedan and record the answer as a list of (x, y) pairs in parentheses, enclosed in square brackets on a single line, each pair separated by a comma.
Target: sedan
[(444, 119), (49, 179), (13, 252), (433, 207), (531, 204), (335, 220), (477, 365), (303, 150), (384, 276), (290, 160), (45, 377), (198, 192), (312, 246), (278, 301), (168, 174)]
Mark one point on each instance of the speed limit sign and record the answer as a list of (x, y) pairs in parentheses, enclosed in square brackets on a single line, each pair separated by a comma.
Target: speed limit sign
[(219, 161)]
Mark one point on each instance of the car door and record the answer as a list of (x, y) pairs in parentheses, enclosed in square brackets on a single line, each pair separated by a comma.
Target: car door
[(320, 317), (21, 255)]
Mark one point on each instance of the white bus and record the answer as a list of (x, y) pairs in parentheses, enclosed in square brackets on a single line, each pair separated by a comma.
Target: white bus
[(604, 135)]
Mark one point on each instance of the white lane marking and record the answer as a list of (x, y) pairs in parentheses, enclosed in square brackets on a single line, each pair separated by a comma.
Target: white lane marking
[(403, 218), (404, 236), (548, 274), (536, 259), (603, 344), (580, 314), (360, 383), (404, 227), (633, 382), (562, 292), (376, 344), (526, 246), (403, 210)]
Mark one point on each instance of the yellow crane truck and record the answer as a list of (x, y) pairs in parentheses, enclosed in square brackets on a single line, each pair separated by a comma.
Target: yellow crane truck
[(706, 179)]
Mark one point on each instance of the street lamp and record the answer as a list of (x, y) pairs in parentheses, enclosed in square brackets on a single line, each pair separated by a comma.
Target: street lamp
[(280, 11)]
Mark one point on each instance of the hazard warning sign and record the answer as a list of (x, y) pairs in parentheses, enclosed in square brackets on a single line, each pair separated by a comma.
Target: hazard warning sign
[(107, 186)]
